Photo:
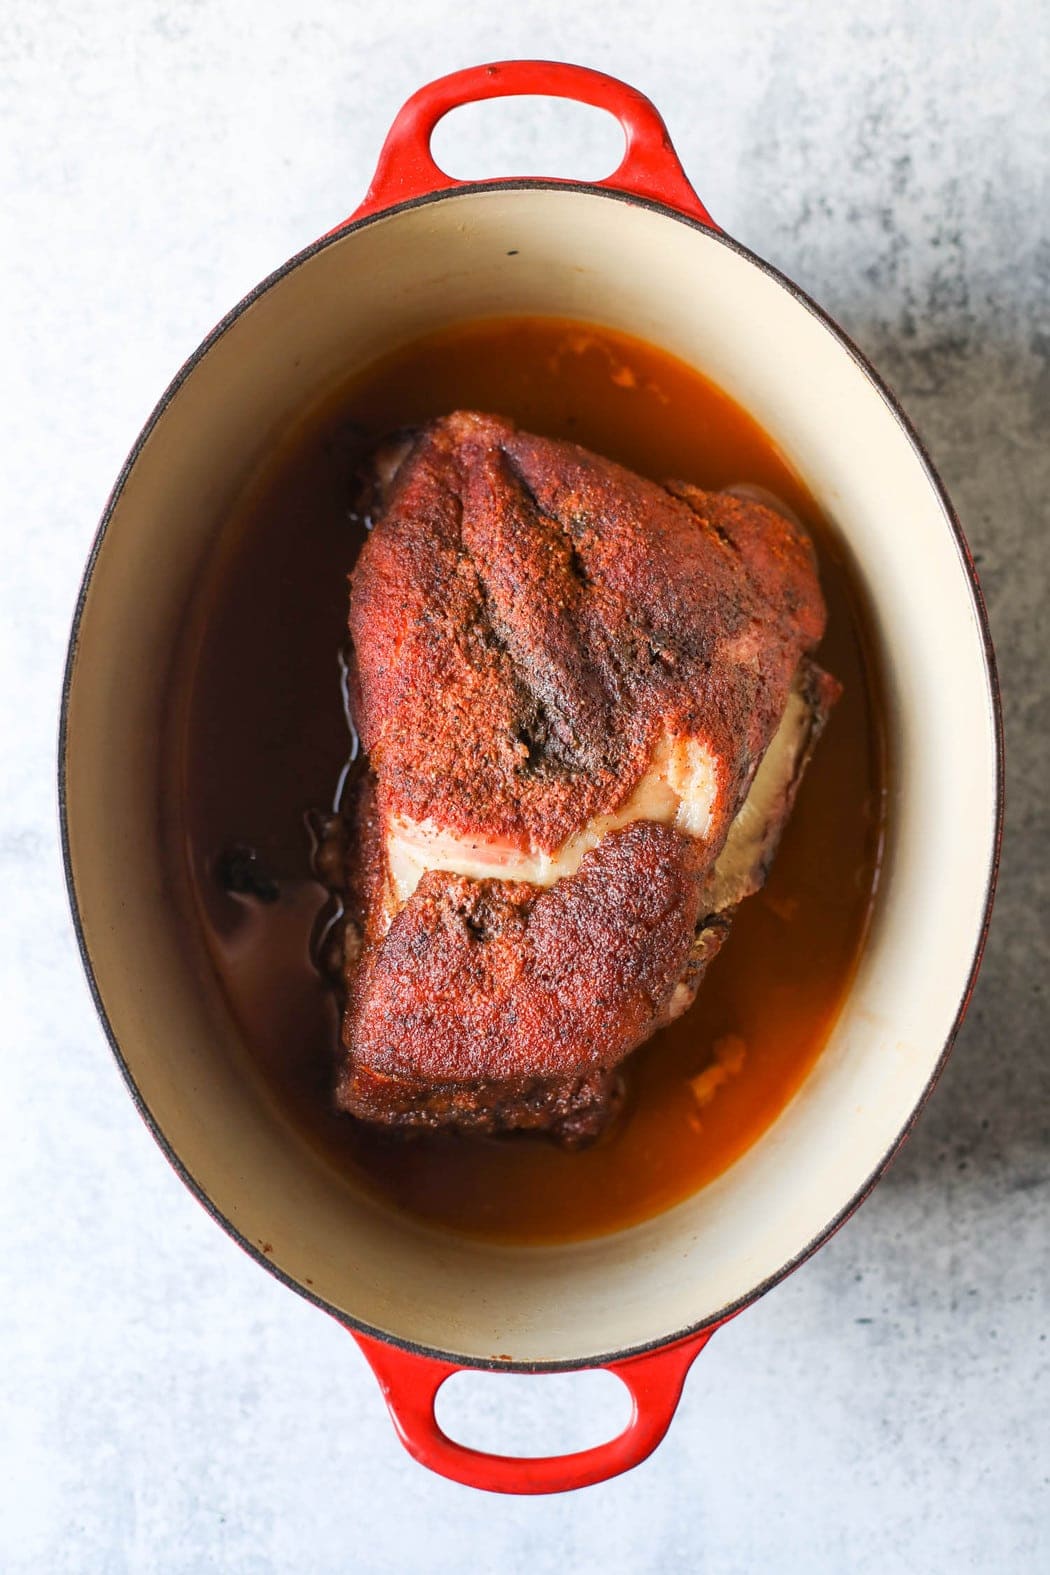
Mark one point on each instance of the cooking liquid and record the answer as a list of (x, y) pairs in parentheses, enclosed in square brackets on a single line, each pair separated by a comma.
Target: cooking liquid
[(265, 741)]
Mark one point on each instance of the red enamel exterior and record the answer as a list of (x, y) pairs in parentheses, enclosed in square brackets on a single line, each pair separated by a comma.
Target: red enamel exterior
[(410, 1381), (649, 168)]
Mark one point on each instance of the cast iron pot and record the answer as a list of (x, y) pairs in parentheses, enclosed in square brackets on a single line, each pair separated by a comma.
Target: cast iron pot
[(637, 252)]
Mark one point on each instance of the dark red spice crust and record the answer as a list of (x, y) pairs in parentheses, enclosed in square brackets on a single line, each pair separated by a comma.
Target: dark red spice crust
[(529, 617), (491, 981)]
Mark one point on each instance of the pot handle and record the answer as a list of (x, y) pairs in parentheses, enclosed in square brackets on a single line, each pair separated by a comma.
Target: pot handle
[(650, 166), (410, 1383)]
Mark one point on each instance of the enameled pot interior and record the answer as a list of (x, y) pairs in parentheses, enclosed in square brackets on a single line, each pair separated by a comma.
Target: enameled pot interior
[(581, 254)]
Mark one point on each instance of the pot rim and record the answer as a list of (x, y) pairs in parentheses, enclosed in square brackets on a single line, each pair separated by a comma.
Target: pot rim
[(994, 694)]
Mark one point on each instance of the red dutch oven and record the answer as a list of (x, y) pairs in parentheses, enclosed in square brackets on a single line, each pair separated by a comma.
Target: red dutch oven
[(637, 252)]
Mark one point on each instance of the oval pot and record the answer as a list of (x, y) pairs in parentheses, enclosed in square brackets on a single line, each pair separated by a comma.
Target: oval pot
[(637, 252)]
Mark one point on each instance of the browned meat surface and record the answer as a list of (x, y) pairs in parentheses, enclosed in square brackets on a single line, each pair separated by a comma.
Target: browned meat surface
[(567, 680)]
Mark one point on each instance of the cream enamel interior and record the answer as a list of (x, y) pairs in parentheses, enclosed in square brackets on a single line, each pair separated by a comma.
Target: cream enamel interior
[(589, 256)]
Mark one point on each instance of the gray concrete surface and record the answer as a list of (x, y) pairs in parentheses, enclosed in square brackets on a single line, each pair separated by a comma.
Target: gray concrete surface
[(165, 1405)]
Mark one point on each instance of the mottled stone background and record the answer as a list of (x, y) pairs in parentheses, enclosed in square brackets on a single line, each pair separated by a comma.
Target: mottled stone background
[(165, 1406)]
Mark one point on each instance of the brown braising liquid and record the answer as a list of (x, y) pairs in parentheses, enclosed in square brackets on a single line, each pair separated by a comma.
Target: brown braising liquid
[(266, 741)]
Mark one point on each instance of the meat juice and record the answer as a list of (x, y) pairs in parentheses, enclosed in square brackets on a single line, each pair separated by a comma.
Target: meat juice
[(262, 743)]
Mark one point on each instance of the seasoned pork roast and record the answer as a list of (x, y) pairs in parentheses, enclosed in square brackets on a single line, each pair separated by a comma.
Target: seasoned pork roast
[(586, 701)]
